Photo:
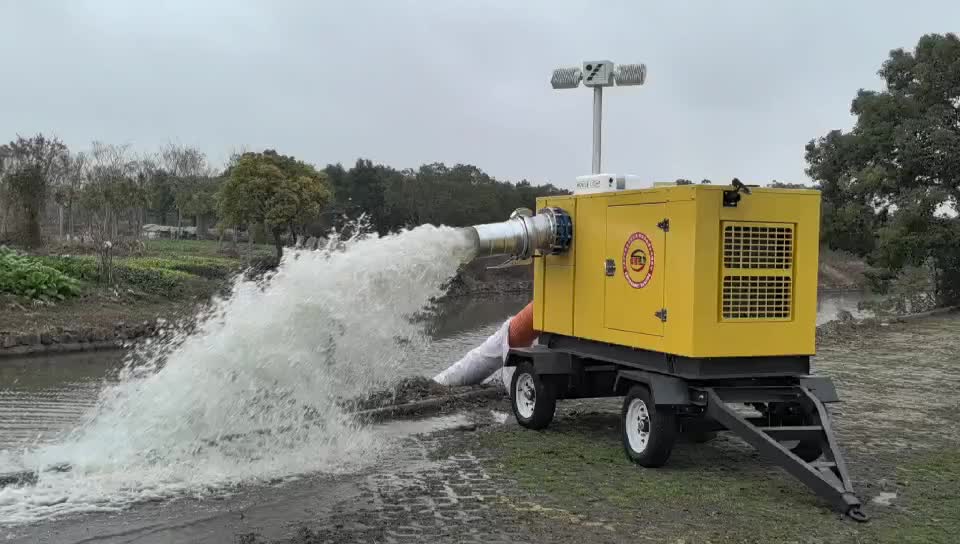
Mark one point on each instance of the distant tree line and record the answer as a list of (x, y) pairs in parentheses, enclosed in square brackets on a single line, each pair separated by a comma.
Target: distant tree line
[(106, 194)]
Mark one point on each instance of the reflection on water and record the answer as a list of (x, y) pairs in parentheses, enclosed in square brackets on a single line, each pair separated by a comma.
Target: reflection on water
[(40, 396)]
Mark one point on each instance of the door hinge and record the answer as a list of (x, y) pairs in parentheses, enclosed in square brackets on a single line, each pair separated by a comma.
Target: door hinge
[(665, 225), (661, 314)]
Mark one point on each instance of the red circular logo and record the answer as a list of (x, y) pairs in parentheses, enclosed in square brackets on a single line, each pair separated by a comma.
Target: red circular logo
[(638, 260)]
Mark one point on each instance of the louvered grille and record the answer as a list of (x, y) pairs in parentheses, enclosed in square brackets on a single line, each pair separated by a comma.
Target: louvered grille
[(757, 273)]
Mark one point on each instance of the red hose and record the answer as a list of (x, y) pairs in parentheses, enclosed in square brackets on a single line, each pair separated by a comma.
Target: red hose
[(521, 333)]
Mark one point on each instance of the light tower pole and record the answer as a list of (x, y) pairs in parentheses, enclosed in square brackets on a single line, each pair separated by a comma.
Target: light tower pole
[(598, 74)]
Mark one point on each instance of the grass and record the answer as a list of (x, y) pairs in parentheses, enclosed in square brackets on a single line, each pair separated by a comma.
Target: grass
[(710, 493), (209, 248)]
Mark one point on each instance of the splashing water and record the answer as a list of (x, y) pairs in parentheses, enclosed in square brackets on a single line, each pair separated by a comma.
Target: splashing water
[(252, 393)]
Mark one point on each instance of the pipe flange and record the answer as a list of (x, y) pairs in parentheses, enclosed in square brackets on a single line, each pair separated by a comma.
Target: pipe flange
[(562, 230)]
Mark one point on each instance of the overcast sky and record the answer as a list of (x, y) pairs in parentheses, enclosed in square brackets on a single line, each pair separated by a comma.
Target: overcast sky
[(734, 88)]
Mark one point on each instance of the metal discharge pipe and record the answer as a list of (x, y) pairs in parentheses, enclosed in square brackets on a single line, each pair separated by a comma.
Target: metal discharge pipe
[(550, 231)]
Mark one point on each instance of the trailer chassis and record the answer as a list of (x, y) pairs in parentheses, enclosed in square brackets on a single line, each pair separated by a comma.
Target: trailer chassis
[(666, 394)]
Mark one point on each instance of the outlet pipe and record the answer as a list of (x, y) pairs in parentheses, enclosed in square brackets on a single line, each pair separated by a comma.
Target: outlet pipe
[(548, 232)]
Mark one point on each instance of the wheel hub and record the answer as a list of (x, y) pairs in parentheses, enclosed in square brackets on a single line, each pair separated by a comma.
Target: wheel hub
[(637, 425), (526, 396)]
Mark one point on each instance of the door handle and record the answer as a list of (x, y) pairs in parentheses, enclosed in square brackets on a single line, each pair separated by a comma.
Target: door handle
[(610, 267)]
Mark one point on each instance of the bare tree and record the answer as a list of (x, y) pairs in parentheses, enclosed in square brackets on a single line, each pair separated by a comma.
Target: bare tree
[(105, 196), (144, 170), (67, 192)]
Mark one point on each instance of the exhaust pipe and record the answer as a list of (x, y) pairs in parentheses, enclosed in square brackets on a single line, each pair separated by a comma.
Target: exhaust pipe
[(550, 232)]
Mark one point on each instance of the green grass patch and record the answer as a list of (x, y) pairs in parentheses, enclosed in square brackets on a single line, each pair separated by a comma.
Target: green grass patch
[(210, 248), (205, 267), (712, 492)]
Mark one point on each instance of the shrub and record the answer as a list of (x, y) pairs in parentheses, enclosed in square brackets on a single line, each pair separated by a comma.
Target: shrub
[(28, 277), (160, 281), (77, 267)]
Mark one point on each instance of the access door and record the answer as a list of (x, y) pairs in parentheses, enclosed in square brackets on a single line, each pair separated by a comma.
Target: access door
[(635, 259)]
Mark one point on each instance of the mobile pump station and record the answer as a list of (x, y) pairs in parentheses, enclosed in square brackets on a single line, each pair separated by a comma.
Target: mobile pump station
[(696, 303)]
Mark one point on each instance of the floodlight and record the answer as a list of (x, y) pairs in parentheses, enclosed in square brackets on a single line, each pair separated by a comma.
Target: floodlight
[(598, 74), (631, 74), (566, 78)]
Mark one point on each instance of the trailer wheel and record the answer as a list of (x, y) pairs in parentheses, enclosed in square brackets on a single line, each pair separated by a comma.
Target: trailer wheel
[(533, 400), (648, 431)]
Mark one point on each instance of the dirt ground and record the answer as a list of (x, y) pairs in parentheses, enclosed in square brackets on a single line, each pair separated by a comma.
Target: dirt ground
[(96, 310), (489, 482)]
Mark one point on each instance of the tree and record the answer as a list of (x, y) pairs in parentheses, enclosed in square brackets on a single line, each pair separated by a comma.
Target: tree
[(31, 167), (365, 186), (278, 191), (785, 185), (888, 182), (106, 194), (67, 193), (186, 165)]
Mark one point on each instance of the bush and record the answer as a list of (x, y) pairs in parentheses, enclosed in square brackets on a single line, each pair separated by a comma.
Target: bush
[(28, 277), (912, 290), (157, 276), (82, 268), (159, 281)]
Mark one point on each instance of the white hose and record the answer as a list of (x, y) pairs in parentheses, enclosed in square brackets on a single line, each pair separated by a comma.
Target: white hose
[(482, 364)]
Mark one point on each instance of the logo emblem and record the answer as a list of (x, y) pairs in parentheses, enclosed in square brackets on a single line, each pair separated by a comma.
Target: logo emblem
[(638, 260)]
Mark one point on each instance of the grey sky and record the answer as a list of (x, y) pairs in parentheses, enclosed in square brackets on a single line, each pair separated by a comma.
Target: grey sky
[(733, 89)]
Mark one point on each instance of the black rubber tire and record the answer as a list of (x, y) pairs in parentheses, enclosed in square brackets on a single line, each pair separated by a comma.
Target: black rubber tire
[(663, 430), (808, 450), (545, 402)]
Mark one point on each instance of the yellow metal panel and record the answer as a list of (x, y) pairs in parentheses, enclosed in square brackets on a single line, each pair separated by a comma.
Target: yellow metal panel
[(715, 336), (538, 274), (558, 278), (636, 249), (680, 267), (559, 300), (589, 234)]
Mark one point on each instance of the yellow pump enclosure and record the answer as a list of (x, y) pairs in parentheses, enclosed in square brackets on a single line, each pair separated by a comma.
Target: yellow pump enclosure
[(671, 269)]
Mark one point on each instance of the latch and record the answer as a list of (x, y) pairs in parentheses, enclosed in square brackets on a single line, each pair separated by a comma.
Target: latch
[(664, 225), (661, 314), (610, 267)]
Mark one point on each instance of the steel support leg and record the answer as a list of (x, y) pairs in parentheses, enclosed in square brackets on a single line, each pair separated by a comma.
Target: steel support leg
[(828, 479)]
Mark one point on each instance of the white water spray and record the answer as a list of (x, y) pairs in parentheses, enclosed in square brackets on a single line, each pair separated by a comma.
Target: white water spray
[(252, 393)]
